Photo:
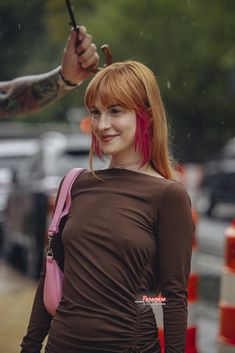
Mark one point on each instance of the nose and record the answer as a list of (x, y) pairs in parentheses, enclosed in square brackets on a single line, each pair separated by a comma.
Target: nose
[(104, 123)]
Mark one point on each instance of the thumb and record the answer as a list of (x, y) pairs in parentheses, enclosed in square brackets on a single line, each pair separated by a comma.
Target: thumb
[(71, 43)]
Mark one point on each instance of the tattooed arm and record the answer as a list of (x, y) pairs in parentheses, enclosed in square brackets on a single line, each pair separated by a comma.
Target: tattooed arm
[(31, 93)]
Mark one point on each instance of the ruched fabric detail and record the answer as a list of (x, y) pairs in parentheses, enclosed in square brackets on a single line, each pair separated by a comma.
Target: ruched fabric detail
[(145, 333)]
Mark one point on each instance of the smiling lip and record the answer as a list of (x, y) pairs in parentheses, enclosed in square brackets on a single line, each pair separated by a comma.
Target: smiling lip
[(108, 138)]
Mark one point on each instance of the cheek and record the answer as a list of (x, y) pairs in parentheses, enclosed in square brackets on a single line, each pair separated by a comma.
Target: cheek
[(130, 130), (128, 126)]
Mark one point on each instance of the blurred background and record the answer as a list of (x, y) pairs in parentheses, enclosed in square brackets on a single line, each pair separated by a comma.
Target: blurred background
[(190, 46)]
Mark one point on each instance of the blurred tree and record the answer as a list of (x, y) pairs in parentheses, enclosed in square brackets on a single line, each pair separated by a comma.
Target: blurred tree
[(22, 32)]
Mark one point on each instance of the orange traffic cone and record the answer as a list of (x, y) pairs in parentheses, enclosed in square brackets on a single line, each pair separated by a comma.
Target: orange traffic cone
[(226, 336)]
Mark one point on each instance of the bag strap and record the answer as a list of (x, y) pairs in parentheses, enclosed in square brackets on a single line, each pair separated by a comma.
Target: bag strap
[(64, 200)]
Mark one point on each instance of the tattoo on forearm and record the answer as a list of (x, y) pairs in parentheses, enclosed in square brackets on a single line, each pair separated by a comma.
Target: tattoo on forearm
[(28, 94)]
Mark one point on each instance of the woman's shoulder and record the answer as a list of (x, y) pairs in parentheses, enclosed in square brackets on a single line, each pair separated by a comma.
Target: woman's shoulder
[(176, 192)]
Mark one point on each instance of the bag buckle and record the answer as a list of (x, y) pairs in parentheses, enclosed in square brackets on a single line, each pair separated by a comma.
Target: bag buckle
[(49, 249)]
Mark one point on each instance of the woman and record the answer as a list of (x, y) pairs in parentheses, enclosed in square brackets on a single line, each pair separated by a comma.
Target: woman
[(128, 233)]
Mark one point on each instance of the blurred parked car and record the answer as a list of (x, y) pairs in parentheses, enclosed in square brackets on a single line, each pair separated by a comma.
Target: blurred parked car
[(32, 199), (12, 153), (5, 182), (218, 182)]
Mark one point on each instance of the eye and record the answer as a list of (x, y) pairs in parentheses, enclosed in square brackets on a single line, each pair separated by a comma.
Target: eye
[(95, 113), (115, 111)]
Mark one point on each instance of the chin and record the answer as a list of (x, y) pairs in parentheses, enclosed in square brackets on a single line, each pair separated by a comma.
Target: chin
[(109, 150)]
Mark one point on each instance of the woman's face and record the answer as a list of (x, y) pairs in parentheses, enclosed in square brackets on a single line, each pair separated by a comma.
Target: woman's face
[(114, 127)]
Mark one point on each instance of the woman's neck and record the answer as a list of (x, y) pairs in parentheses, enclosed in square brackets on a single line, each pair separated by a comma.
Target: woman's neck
[(134, 165)]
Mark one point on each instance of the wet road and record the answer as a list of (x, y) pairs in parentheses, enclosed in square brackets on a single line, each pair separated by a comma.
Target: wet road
[(16, 297)]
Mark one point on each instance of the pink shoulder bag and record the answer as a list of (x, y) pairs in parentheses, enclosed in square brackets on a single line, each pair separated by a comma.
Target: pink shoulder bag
[(53, 284)]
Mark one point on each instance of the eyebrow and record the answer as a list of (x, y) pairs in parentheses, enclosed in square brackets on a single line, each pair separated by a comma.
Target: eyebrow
[(114, 105), (111, 106)]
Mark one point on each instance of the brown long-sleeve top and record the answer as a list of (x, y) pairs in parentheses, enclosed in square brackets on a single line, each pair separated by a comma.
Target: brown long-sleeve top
[(127, 236)]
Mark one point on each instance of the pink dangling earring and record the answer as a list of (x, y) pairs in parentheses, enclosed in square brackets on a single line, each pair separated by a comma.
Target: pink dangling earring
[(143, 136), (96, 147)]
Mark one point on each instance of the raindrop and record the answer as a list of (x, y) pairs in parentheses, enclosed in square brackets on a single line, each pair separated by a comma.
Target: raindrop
[(185, 83), (168, 84), (189, 135), (141, 32), (19, 26)]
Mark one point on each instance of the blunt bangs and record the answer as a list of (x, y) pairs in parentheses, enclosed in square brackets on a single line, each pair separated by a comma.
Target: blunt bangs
[(116, 85)]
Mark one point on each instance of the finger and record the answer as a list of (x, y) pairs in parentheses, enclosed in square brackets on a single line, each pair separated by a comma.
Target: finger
[(87, 62), (95, 67), (67, 43), (91, 61), (85, 43), (82, 32), (89, 52), (71, 42)]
